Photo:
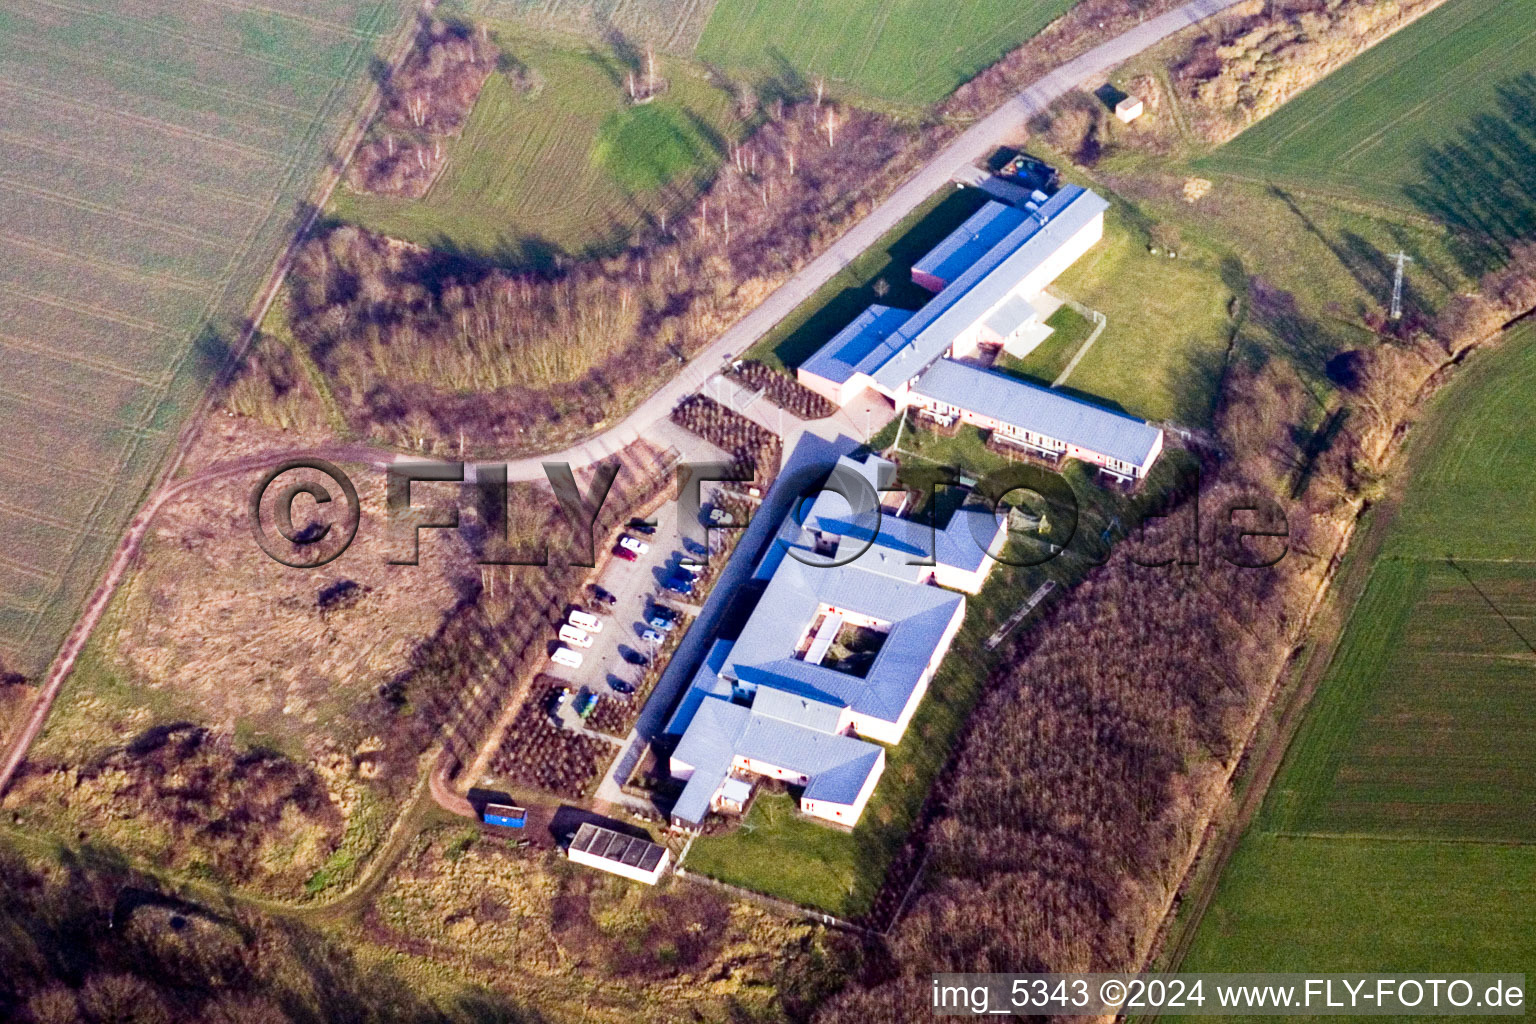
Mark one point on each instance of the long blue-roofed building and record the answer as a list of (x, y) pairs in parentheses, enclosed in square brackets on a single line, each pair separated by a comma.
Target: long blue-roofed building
[(989, 276)]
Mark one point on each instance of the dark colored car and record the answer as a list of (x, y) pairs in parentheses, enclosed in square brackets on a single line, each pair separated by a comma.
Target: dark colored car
[(636, 658), (601, 595), (679, 583), (641, 526), (620, 686), (624, 553)]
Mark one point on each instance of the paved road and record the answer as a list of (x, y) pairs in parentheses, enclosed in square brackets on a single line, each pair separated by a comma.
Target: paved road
[(954, 161)]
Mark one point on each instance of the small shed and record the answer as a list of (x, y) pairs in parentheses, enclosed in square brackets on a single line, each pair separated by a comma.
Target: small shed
[(505, 815), (1129, 109), (734, 794), (609, 851)]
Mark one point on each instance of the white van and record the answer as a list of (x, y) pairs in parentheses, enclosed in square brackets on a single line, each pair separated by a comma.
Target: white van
[(587, 621), (567, 657), (575, 636)]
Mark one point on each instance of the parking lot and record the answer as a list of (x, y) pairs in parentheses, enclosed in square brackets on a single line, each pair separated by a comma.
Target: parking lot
[(618, 650)]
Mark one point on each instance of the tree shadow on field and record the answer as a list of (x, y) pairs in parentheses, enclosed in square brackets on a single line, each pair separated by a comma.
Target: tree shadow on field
[(784, 83), (528, 252), (1371, 267), (212, 353), (1483, 185)]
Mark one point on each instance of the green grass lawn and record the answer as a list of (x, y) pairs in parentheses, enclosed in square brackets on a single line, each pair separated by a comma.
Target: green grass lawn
[(880, 274), (1385, 123), (567, 167), (1069, 329), (1304, 904), (906, 51), (1161, 355), (1400, 833), (1473, 498)]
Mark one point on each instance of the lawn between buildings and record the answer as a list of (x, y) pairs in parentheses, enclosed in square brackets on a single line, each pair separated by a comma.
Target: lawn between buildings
[(777, 851), (1399, 831)]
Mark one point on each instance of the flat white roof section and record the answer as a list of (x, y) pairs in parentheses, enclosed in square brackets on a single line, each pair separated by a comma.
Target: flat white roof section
[(826, 632)]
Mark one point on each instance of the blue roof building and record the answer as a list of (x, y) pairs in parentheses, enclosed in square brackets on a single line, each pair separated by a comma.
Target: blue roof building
[(1039, 419), (832, 656), (966, 244), (986, 273)]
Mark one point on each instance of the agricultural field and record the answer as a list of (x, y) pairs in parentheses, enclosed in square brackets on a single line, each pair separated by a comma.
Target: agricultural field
[(882, 49), (1405, 801), (157, 156), (1415, 121), (671, 25), (564, 165)]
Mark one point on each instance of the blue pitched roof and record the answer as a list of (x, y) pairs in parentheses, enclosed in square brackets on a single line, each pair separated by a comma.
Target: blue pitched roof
[(705, 681), (797, 709), (837, 765), (857, 348), (967, 298), (970, 241), (763, 654), (1040, 410), (900, 547)]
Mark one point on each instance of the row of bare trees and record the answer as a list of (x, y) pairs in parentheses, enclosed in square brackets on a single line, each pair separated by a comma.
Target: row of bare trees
[(420, 346)]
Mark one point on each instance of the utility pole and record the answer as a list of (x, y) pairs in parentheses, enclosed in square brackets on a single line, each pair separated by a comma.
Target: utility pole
[(1397, 284)]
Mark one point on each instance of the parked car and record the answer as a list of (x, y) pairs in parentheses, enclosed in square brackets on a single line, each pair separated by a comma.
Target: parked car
[(575, 636), (620, 686), (679, 583), (602, 596), (662, 623), (641, 526), (585, 620), (635, 657), (586, 703), (624, 553), (639, 547), (567, 657), (688, 565), (720, 517), (650, 636)]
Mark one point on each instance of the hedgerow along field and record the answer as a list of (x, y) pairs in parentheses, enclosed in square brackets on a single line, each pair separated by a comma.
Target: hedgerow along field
[(1397, 122), (902, 51), (568, 167), (1401, 831), (157, 155)]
